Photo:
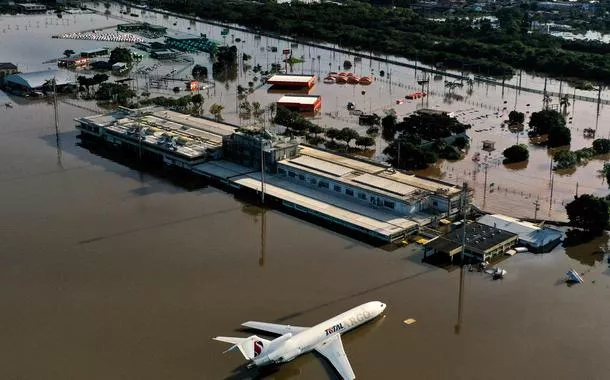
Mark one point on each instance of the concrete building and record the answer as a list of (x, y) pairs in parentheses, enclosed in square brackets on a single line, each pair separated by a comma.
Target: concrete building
[(25, 83), (31, 8), (244, 147), (372, 185), (7, 68), (534, 237), (95, 53), (482, 242), (171, 137), (303, 103), (292, 81)]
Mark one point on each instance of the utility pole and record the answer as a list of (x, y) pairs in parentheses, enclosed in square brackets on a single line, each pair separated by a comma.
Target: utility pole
[(552, 186), (262, 165), (485, 188), (576, 189), (458, 326), (536, 208)]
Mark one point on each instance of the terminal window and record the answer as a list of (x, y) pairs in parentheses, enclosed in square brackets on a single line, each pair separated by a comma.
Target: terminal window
[(323, 184), (291, 174), (301, 177), (337, 188), (281, 171), (349, 192), (362, 196), (388, 204)]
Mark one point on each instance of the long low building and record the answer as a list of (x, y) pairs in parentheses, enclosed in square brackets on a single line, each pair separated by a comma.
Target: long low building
[(301, 103), (482, 242), (178, 139), (36, 81), (536, 238), (292, 81)]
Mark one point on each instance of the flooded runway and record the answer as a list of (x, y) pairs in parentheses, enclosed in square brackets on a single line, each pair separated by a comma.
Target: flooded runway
[(107, 272)]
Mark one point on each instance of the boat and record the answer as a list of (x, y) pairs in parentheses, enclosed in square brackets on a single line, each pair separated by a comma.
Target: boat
[(329, 80), (366, 81), (8, 105), (341, 80), (353, 79), (415, 95)]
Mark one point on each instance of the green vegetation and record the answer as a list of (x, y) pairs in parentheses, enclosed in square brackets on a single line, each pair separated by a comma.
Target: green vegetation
[(422, 138), (224, 67), (120, 54), (601, 146), (564, 160), (293, 60), (200, 72), (589, 213), (550, 123), (456, 43), (606, 173), (118, 93), (68, 52), (516, 117), (216, 110), (516, 153)]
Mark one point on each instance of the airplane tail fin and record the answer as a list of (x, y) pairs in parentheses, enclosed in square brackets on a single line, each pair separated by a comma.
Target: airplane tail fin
[(250, 347)]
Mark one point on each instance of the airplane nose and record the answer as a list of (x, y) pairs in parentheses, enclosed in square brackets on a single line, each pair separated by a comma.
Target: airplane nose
[(383, 306)]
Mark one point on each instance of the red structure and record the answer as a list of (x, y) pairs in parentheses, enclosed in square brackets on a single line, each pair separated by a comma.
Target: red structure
[(303, 103)]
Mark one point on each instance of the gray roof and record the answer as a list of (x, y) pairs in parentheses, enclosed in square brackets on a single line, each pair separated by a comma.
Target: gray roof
[(7, 66), (37, 79), (528, 233), (479, 237)]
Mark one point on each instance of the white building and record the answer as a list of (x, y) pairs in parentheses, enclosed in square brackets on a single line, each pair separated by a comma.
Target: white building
[(536, 238)]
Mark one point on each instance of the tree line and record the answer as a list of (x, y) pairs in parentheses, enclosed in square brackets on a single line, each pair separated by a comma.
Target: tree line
[(456, 43)]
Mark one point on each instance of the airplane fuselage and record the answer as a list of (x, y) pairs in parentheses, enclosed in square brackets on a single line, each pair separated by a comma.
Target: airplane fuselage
[(289, 346)]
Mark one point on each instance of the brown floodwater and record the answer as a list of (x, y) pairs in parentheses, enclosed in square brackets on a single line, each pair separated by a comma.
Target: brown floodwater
[(107, 272)]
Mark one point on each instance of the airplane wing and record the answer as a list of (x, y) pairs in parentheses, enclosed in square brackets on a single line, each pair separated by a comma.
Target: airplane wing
[(332, 349), (273, 327)]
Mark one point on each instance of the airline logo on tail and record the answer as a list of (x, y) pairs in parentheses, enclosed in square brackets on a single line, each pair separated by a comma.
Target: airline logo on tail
[(258, 347)]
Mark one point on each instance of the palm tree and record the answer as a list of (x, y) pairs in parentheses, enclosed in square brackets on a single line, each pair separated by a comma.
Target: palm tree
[(564, 103)]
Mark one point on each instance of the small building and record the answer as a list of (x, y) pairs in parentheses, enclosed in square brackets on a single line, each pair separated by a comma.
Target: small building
[(489, 145), (164, 54), (73, 62), (244, 148), (31, 8), (292, 81), (94, 53), (536, 238), (7, 68), (432, 111), (119, 66), (302, 103), (191, 44), (482, 242), (35, 81)]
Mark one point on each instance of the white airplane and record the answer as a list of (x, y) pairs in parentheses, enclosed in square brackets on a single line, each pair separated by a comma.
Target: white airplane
[(324, 337)]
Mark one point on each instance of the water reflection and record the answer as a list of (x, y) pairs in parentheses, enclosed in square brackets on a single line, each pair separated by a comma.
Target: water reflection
[(588, 253)]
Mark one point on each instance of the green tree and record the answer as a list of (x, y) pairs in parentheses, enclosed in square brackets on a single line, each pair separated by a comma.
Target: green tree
[(388, 127), (120, 54), (541, 122), (565, 160), (365, 141), (601, 146), (348, 134), (199, 72), (559, 136), (332, 133), (515, 117), (197, 100), (216, 110), (68, 52), (460, 142), (589, 213), (516, 153)]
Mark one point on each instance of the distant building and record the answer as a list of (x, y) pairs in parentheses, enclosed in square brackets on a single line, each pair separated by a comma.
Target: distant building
[(244, 148), (292, 81), (7, 68), (73, 62), (432, 111), (482, 242), (536, 238), (35, 81), (95, 53), (301, 103), (31, 8)]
